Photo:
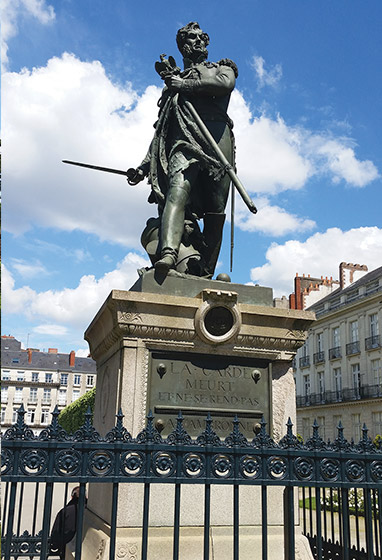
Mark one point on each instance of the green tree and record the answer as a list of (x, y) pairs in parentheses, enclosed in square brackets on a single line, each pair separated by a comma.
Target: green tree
[(72, 417)]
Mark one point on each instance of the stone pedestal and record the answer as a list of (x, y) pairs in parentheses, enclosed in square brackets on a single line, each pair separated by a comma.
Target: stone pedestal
[(178, 321)]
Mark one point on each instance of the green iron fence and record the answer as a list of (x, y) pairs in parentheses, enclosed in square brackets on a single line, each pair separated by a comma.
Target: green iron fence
[(55, 458)]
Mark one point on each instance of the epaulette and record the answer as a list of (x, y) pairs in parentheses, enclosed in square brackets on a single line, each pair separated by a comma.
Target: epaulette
[(230, 63)]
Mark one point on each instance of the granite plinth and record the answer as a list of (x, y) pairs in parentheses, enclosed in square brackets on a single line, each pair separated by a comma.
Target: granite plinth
[(130, 330), (176, 284)]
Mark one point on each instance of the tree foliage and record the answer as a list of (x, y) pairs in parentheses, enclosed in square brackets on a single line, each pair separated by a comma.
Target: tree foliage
[(72, 416)]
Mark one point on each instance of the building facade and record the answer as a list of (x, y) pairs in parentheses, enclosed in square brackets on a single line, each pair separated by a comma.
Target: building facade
[(339, 369), (40, 381)]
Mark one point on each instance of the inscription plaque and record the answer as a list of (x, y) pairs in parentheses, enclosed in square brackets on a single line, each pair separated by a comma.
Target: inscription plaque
[(197, 384)]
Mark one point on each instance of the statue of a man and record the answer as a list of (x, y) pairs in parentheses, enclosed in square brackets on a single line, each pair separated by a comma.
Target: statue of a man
[(188, 181)]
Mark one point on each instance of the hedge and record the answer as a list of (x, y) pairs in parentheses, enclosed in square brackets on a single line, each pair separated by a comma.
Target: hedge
[(72, 417)]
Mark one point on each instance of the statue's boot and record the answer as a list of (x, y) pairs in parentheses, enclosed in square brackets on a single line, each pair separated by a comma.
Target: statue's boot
[(212, 234), (168, 260)]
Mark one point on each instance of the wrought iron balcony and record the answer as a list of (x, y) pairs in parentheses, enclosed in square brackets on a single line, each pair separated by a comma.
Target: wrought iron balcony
[(304, 361), (335, 353), (318, 357), (372, 342), (345, 395), (353, 348)]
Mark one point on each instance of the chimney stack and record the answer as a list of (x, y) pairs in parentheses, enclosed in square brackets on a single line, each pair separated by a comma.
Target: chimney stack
[(72, 358)]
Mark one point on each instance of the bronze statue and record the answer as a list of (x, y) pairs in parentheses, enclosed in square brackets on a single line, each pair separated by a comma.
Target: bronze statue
[(190, 160)]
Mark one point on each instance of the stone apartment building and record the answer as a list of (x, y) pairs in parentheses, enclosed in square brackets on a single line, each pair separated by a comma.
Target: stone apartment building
[(40, 381), (339, 369)]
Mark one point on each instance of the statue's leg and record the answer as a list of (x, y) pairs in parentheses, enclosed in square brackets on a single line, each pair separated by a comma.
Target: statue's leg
[(172, 222), (216, 195), (213, 221)]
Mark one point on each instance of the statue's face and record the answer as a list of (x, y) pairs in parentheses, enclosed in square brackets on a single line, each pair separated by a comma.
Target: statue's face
[(195, 44)]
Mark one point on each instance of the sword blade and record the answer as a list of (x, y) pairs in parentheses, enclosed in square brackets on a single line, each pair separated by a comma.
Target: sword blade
[(96, 167)]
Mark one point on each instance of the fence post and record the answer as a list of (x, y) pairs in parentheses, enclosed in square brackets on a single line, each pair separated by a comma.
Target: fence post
[(289, 540)]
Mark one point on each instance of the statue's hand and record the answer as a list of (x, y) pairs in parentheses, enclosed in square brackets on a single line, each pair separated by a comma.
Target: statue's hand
[(174, 83), (135, 176)]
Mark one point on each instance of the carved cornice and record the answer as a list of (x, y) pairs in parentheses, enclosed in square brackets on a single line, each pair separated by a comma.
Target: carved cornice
[(174, 319)]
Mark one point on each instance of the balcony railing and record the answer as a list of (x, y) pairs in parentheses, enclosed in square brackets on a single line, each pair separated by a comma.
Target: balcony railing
[(304, 361), (345, 395), (335, 353), (372, 342), (318, 357), (353, 348)]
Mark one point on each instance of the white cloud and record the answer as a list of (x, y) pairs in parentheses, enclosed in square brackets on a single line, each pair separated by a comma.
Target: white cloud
[(70, 109), (271, 220), (75, 307), (341, 161), (52, 330), (12, 10), (274, 157), (265, 77), (82, 352), (67, 110), (320, 255), (27, 269)]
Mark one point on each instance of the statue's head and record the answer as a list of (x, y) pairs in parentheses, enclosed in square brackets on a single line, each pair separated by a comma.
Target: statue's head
[(192, 41)]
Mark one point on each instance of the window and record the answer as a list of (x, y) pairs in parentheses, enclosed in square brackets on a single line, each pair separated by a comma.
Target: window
[(377, 423), (4, 394), (18, 398), (33, 394), (376, 372), (45, 417), (34, 377), (62, 396), (338, 383), (356, 376), (75, 394), (337, 419), (373, 324), (5, 375), (354, 331), (336, 337), (2, 415), (15, 360), (48, 377), (46, 396), (89, 380), (320, 342), (307, 389), (305, 428), (64, 378), (304, 359), (30, 416), (77, 380), (14, 416), (321, 427), (20, 376), (356, 426), (321, 385)]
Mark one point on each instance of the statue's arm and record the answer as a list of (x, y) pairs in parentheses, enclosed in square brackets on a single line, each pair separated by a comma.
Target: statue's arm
[(139, 173), (220, 81)]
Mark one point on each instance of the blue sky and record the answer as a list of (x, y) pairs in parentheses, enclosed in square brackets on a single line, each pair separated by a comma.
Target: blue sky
[(79, 83)]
